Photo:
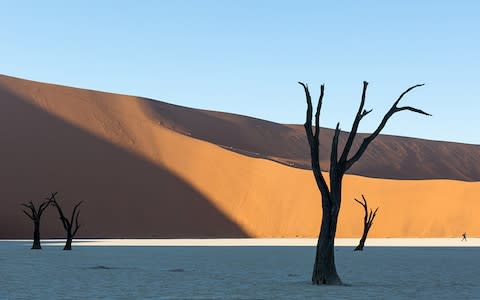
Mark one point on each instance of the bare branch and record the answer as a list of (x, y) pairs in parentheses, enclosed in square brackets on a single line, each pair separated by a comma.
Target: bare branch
[(366, 112), (317, 113), (358, 201), (365, 208), (364, 200), (73, 212), (77, 226), (29, 205), (32, 208), (51, 199), (353, 132), (334, 150), (42, 207), (412, 109), (66, 224), (313, 139), (394, 109), (407, 91), (308, 121), (372, 215), (28, 215)]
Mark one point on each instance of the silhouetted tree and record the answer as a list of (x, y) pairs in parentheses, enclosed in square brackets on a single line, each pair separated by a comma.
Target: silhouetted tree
[(35, 215), (367, 222), (324, 271), (68, 225)]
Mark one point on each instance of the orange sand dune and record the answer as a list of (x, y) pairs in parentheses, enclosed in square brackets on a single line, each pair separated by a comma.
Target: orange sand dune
[(391, 157), (139, 178)]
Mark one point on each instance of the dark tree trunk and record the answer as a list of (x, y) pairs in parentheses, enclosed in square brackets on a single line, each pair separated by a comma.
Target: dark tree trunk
[(68, 244), (324, 270), (361, 244), (36, 236)]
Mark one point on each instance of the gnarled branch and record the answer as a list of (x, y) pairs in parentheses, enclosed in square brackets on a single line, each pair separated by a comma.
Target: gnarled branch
[(35, 214), (367, 222), (317, 113), (28, 215), (67, 223), (77, 226), (358, 117), (334, 150), (394, 109), (313, 138)]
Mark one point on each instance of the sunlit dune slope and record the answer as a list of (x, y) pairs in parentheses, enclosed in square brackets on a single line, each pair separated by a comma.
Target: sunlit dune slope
[(139, 178), (390, 157)]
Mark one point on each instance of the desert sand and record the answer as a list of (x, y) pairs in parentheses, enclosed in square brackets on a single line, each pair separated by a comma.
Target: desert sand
[(234, 272), (147, 169)]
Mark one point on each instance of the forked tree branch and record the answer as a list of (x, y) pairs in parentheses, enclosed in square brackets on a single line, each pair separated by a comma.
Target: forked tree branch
[(371, 217), (75, 215), (313, 138), (77, 226), (366, 141), (365, 207), (35, 214), (334, 150), (74, 210), (368, 216), (317, 113), (358, 117), (28, 215), (67, 223)]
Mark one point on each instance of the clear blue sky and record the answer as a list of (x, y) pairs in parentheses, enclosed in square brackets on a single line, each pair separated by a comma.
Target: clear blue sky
[(247, 56)]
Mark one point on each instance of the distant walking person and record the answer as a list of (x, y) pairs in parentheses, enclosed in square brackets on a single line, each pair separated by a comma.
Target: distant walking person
[(464, 237)]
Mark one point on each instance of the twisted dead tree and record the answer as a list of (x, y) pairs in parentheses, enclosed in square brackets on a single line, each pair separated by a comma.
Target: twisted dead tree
[(35, 215), (68, 224), (367, 222), (324, 270)]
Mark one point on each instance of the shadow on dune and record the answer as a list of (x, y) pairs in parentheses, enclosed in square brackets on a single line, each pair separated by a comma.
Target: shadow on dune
[(391, 157), (125, 196), (245, 135)]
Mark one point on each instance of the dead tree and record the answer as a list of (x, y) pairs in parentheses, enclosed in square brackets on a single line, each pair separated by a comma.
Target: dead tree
[(35, 215), (367, 222), (68, 225), (324, 270)]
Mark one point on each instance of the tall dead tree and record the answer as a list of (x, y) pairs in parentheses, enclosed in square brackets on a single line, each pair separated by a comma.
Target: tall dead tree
[(367, 222), (68, 224), (324, 270), (35, 215)]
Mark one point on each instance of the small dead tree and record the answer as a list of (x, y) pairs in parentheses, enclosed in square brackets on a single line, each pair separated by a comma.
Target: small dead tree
[(324, 270), (35, 215), (68, 225), (367, 222)]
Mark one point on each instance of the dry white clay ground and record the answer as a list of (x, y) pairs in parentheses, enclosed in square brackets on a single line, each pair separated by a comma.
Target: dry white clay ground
[(394, 269)]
